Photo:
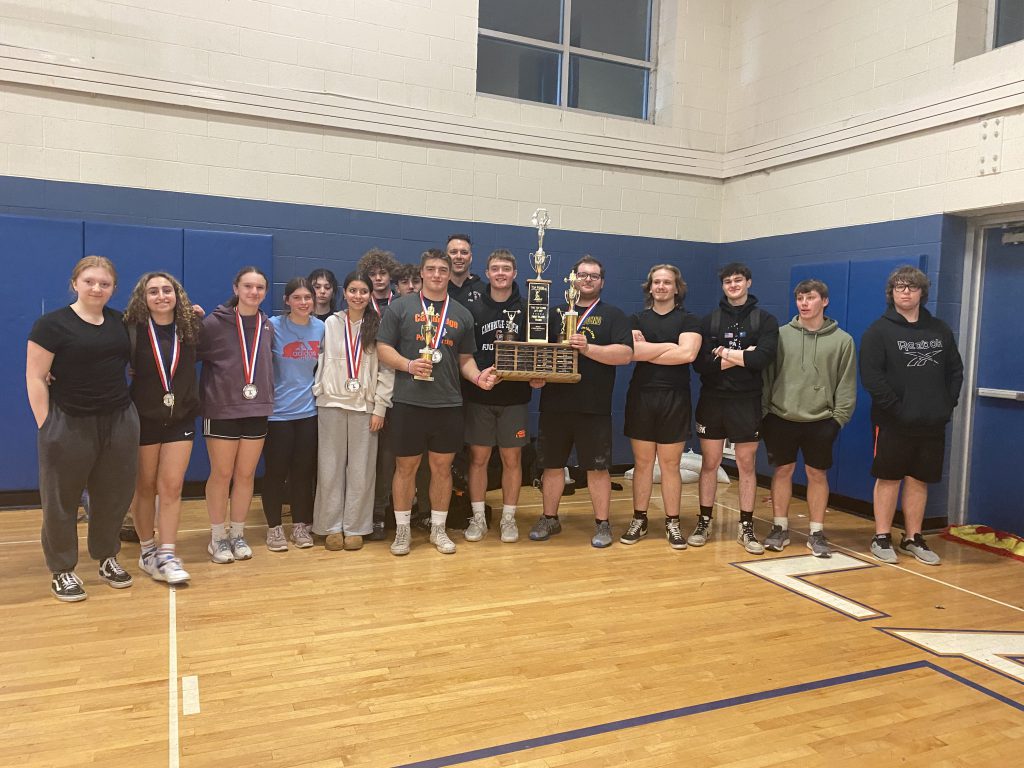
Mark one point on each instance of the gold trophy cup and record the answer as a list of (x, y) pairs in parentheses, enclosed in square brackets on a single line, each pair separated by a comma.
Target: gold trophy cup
[(427, 352)]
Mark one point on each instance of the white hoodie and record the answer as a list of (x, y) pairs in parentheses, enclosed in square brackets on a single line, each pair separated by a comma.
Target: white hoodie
[(377, 381)]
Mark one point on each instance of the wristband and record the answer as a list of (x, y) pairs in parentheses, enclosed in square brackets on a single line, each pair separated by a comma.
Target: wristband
[(408, 368), (477, 379)]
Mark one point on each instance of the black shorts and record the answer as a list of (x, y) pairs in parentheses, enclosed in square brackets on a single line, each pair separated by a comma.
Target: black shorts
[(154, 432), (414, 429), (735, 418), (784, 439), (248, 428), (899, 455), (658, 415), (589, 432)]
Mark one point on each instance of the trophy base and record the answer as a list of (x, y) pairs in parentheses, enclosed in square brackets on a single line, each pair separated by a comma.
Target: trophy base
[(525, 360), (423, 378)]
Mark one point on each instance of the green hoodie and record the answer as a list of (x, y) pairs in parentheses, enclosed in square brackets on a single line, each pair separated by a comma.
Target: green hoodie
[(814, 375)]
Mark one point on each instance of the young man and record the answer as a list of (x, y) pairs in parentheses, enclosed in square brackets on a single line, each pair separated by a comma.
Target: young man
[(580, 414), (666, 339), (427, 415), (739, 341), (810, 390), (463, 287), (499, 416), (379, 266), (911, 367), (407, 279)]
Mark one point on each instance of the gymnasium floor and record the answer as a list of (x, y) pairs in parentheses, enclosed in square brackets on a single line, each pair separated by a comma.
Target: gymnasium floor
[(533, 654)]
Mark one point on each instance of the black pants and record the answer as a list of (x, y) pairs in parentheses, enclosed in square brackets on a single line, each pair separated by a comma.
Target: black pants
[(289, 455)]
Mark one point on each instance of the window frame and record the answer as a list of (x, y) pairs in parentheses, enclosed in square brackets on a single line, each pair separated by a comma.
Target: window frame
[(990, 32), (566, 51)]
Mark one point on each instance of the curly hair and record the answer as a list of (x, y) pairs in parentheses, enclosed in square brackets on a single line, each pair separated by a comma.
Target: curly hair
[(375, 259), (910, 275), (185, 320), (371, 320), (680, 284)]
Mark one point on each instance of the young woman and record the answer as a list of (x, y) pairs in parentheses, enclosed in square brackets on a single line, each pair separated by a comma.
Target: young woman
[(290, 451), (237, 392), (165, 332), (88, 427), (353, 393), (324, 285)]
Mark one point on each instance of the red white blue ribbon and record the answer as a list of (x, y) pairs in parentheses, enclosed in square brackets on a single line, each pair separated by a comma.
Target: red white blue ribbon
[(439, 333), (166, 374)]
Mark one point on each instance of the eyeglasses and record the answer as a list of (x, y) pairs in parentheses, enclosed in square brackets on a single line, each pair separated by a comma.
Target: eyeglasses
[(906, 288), (588, 276)]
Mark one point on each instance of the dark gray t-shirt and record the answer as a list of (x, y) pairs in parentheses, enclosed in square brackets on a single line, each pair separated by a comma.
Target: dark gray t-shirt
[(401, 327)]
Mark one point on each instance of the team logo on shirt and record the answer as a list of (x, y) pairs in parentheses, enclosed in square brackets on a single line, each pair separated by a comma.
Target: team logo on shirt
[(301, 350)]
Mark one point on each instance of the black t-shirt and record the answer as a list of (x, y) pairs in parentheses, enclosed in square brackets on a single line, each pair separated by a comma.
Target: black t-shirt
[(89, 361), (593, 393), (663, 328)]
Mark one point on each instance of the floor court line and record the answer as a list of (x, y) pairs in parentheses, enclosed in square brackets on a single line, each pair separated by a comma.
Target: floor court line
[(696, 709), (173, 749)]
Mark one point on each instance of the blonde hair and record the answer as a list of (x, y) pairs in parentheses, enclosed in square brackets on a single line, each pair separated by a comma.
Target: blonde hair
[(680, 284), (92, 262)]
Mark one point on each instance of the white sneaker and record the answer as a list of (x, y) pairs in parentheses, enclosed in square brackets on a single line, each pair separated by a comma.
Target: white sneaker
[(401, 546), (172, 571), (439, 538), (477, 527), (220, 551), (240, 548), (509, 529), (147, 563)]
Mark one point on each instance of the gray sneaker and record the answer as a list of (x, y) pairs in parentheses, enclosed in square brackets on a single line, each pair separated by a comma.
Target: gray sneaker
[(817, 543), (777, 539), (403, 534), (477, 527), (701, 533), (882, 550), (917, 547), (602, 535), (301, 535), (220, 551), (439, 538), (748, 540), (509, 529), (545, 528), (276, 542)]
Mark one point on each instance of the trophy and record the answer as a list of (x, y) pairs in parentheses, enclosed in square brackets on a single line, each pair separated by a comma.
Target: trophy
[(571, 316), (428, 352), (536, 357)]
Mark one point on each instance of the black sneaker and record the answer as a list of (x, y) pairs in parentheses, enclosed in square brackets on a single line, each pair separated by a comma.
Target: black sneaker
[(377, 534), (66, 587), (674, 534), (112, 573), (636, 531)]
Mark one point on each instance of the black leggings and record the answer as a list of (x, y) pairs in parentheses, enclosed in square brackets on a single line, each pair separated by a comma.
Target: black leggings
[(289, 454)]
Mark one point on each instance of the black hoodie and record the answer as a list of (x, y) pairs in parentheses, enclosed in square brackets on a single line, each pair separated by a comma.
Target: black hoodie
[(469, 292), (912, 371), (488, 319), (736, 332)]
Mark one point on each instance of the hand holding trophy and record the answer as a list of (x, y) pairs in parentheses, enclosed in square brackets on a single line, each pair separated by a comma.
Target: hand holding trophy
[(428, 353)]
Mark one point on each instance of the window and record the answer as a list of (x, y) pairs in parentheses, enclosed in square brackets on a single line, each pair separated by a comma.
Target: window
[(583, 54), (1008, 22)]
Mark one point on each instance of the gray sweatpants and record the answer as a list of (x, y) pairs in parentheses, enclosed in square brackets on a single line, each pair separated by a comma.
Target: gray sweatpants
[(347, 459), (100, 453)]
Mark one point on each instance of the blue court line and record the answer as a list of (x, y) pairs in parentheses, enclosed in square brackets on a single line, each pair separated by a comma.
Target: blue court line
[(695, 709)]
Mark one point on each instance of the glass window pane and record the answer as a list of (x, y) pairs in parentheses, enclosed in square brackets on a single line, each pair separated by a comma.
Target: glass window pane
[(539, 19), (520, 71), (621, 27), (1009, 22), (605, 86)]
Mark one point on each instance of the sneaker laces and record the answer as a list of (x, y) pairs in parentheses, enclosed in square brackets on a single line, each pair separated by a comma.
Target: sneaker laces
[(748, 531), (113, 567), (672, 526), (635, 525), (65, 581), (703, 524), (402, 534)]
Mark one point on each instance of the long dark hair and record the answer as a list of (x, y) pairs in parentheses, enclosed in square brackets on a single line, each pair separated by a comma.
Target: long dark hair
[(371, 320), (233, 301), (185, 321), (325, 274)]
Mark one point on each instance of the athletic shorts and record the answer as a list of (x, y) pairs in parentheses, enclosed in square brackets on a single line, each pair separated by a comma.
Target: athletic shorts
[(899, 455), (415, 429), (154, 432), (248, 428), (658, 415), (735, 418), (784, 439), (590, 433), (500, 425)]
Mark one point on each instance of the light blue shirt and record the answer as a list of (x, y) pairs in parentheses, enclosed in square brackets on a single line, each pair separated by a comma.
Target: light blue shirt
[(296, 348)]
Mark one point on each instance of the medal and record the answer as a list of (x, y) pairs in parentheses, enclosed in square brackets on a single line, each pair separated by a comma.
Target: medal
[(249, 391), (353, 353), (435, 356), (166, 373)]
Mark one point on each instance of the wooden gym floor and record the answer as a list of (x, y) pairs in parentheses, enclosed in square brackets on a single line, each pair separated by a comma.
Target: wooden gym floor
[(533, 654)]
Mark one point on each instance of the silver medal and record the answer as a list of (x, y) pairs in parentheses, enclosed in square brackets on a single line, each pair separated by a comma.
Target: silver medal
[(435, 356), (249, 391), (352, 385), (169, 399)]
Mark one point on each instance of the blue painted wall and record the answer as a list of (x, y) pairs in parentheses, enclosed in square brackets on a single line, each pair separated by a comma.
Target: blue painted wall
[(306, 237)]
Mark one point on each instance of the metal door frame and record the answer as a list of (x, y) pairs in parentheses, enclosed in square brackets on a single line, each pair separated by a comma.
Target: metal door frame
[(970, 324)]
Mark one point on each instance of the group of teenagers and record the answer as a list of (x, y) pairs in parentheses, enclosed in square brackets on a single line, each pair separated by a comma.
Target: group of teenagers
[(353, 408)]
